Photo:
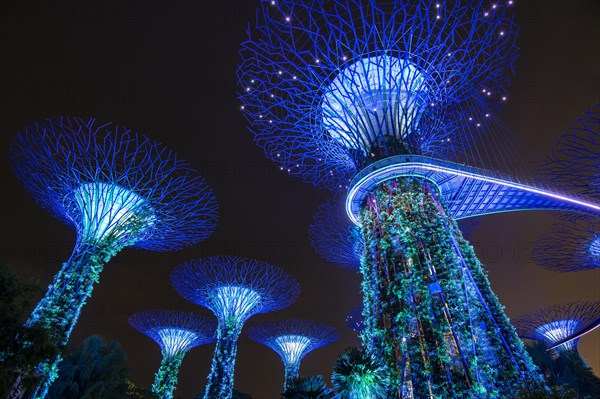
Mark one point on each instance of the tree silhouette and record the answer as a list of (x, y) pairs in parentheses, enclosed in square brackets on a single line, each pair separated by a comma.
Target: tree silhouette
[(94, 370)]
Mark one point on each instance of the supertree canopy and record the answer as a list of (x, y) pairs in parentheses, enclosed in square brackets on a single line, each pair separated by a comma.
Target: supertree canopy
[(117, 189), (559, 326), (382, 99), (573, 164), (176, 333), (334, 237), (234, 289), (292, 340), (570, 246)]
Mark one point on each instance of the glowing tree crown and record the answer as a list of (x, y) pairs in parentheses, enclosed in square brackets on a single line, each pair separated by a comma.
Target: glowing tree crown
[(573, 164), (175, 332), (112, 184), (235, 288), (334, 237), (555, 324), (331, 86), (570, 246), (292, 339)]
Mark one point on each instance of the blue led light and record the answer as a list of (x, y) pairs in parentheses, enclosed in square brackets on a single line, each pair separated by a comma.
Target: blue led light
[(234, 289), (559, 323), (108, 210), (373, 98), (292, 340), (570, 246), (176, 333), (117, 189)]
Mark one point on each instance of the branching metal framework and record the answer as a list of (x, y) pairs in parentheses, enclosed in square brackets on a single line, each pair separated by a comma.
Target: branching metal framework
[(176, 333), (339, 241), (573, 165), (389, 100), (329, 87), (570, 246), (234, 289), (292, 340), (117, 189), (334, 237), (557, 323)]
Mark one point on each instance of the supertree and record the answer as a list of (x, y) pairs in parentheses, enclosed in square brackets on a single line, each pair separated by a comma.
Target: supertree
[(334, 237), (292, 340), (234, 289), (559, 326), (117, 189), (176, 333), (569, 246), (377, 98), (573, 164), (337, 240)]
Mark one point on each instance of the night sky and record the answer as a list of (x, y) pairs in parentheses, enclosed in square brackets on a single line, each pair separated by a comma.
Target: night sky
[(167, 69)]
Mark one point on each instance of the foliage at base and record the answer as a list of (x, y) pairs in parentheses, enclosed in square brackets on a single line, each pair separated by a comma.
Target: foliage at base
[(308, 388), (357, 375), (93, 370)]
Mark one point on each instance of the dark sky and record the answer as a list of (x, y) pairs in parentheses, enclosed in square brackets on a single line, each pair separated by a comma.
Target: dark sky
[(167, 69)]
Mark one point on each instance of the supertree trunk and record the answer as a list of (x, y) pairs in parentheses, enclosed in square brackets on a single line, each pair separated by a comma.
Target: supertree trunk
[(220, 379), (291, 373), (59, 310), (165, 379), (429, 310)]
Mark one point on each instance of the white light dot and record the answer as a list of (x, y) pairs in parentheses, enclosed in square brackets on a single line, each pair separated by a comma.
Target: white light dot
[(280, 72), (484, 90), (471, 119), (487, 115), (503, 98), (317, 61), (242, 107), (287, 19), (437, 17), (502, 33), (485, 14), (489, 93), (479, 124), (494, 6), (295, 78), (437, 5)]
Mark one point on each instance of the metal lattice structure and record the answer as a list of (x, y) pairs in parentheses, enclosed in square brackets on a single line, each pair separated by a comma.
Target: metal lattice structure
[(118, 189), (573, 164), (292, 340), (176, 333), (569, 246), (334, 237), (330, 87), (390, 101), (234, 289), (558, 326)]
